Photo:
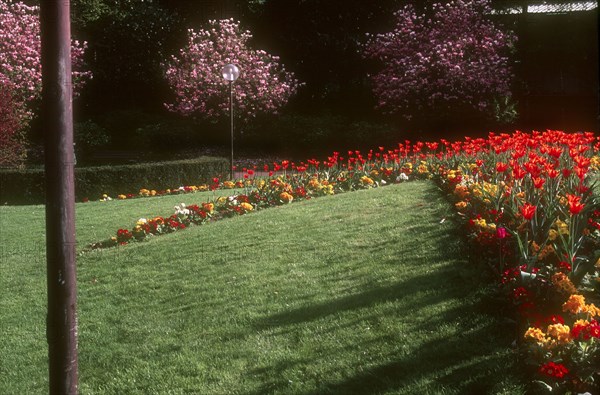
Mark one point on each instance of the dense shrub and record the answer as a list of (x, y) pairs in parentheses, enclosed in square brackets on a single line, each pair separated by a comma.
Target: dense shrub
[(301, 135), (28, 186), (89, 136)]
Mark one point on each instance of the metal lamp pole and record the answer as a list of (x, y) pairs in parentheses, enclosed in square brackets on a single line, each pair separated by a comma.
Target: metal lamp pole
[(231, 73)]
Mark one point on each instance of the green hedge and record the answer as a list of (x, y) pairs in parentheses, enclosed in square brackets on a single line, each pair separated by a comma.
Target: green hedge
[(28, 186)]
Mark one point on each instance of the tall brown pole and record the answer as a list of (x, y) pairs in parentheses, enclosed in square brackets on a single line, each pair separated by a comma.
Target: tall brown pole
[(57, 116)]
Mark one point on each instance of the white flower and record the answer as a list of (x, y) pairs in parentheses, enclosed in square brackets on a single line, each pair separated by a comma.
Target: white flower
[(402, 177), (181, 210)]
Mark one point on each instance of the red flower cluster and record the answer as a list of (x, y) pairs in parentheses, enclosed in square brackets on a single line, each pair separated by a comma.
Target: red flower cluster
[(552, 369)]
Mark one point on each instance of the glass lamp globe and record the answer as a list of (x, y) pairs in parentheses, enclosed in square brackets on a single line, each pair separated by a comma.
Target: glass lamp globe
[(231, 72)]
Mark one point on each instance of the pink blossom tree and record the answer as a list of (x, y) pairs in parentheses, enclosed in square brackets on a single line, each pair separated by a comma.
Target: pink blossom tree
[(194, 74), (12, 149), (447, 57), (20, 52)]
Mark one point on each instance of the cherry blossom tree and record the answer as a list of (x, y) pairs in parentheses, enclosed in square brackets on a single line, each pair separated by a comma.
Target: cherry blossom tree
[(446, 57), (12, 149), (194, 74), (20, 52)]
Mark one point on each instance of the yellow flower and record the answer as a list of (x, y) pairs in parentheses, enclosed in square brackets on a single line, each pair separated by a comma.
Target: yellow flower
[(246, 206), (591, 310), (575, 304), (366, 180), (535, 334), (286, 197), (460, 206), (562, 227), (476, 190), (546, 251), (153, 192), (563, 201), (208, 207), (560, 333), (122, 197), (552, 235), (562, 282), (221, 200), (228, 184), (461, 191), (480, 222), (422, 169), (581, 323), (314, 184)]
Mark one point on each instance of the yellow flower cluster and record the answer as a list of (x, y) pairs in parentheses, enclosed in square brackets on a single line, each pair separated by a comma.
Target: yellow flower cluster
[(556, 334), (461, 191), (246, 206), (562, 282), (483, 225), (461, 206), (146, 192), (324, 187), (576, 305), (286, 197), (561, 227), (367, 181), (452, 174), (422, 168), (542, 253)]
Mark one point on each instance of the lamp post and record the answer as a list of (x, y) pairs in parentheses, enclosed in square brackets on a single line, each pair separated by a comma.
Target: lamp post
[(231, 73)]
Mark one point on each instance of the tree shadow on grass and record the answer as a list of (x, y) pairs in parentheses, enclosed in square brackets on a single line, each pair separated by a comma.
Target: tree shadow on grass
[(472, 362), (367, 298), (476, 369)]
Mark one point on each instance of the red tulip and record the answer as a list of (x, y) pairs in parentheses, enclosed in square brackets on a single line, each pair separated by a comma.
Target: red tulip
[(575, 205), (528, 211)]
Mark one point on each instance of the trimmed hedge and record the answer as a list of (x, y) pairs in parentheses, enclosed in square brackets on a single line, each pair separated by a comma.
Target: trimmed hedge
[(28, 186)]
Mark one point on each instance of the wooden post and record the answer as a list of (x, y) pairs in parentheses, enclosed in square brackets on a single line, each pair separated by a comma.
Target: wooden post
[(57, 116)]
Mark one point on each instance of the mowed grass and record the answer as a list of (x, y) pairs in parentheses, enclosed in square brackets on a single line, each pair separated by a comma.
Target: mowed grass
[(360, 293)]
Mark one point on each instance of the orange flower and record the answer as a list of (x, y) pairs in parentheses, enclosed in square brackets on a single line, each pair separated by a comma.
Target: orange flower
[(246, 206), (535, 334), (286, 197), (560, 333), (575, 304), (563, 284), (460, 206)]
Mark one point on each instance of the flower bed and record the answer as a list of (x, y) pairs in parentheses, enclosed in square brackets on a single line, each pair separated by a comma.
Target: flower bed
[(528, 209)]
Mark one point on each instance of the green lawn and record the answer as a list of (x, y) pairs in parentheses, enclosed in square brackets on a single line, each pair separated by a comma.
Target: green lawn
[(360, 293)]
